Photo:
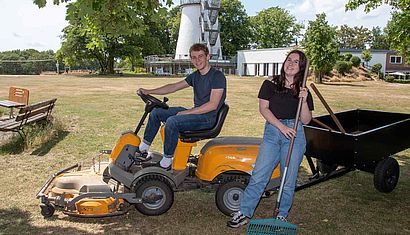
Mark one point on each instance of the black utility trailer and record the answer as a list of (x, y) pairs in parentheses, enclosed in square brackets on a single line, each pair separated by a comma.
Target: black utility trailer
[(371, 138)]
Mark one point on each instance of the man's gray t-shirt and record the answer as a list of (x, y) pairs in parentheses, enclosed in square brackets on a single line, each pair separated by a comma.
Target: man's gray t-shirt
[(203, 84)]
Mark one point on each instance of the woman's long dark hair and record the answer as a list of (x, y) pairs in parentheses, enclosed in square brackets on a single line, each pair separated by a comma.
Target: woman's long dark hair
[(298, 79)]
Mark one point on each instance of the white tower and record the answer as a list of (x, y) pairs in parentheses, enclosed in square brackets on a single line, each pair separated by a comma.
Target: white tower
[(199, 24)]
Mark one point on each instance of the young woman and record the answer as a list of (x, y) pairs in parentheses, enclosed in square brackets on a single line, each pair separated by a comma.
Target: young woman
[(278, 102)]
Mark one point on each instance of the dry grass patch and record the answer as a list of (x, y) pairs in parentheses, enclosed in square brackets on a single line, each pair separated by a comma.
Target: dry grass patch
[(93, 111)]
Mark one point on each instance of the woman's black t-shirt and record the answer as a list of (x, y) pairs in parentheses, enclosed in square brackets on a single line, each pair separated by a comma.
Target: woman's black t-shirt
[(282, 104)]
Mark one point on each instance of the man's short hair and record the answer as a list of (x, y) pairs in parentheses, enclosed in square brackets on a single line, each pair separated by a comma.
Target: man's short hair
[(199, 47)]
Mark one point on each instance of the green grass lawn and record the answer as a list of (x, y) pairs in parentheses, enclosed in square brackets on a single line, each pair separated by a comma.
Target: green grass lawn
[(91, 113)]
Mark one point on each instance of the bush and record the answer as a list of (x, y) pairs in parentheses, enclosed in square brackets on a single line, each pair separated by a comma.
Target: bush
[(355, 61), (376, 68), (401, 81), (347, 57), (343, 67), (389, 79)]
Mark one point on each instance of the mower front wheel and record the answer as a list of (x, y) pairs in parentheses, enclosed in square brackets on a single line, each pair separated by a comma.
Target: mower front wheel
[(157, 197), (228, 197), (47, 210)]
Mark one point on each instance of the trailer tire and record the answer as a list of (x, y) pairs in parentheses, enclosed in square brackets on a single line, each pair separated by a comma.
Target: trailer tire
[(386, 175), (325, 168), (155, 187), (228, 196)]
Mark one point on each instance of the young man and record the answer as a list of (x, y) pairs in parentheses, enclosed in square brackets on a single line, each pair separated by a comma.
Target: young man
[(209, 87)]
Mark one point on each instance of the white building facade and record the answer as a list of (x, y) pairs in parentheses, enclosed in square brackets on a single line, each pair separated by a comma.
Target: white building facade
[(261, 62)]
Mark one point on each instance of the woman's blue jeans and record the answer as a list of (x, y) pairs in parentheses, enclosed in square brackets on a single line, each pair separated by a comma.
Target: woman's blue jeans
[(173, 125), (274, 149)]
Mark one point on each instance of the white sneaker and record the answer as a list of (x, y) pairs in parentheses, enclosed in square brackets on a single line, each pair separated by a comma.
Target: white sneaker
[(237, 220), (166, 163), (281, 218)]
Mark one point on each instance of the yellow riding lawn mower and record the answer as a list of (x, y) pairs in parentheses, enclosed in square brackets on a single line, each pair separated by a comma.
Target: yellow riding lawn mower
[(111, 188)]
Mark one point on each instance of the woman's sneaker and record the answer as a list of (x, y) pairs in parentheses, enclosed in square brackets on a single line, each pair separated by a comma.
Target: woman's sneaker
[(237, 220), (281, 218)]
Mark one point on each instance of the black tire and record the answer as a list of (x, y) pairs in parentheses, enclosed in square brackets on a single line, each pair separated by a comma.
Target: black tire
[(386, 175), (154, 188), (325, 168), (228, 196), (47, 210)]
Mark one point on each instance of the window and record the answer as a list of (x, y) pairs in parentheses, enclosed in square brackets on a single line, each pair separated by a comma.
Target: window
[(395, 59), (256, 69), (265, 69), (275, 69), (245, 69)]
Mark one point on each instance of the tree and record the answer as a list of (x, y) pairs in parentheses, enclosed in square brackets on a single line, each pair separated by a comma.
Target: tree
[(373, 4), (275, 27), (321, 46), (366, 56), (236, 31), (28, 61), (379, 39), (174, 20), (106, 24), (398, 29), (357, 37)]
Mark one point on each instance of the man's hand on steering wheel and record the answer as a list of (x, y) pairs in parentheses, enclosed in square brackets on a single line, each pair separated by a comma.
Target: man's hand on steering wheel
[(151, 100)]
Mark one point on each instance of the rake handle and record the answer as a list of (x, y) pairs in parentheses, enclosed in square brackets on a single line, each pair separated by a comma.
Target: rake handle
[(292, 142)]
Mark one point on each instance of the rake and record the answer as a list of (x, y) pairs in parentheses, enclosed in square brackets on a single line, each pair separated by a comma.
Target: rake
[(271, 227), (274, 226)]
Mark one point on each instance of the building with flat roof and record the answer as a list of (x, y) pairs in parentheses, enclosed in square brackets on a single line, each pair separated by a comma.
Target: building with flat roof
[(261, 62)]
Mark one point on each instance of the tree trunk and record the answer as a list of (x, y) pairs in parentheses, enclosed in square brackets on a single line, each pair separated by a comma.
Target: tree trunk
[(110, 65), (318, 77)]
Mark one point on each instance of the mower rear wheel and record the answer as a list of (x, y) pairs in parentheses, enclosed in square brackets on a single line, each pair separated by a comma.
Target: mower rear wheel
[(386, 175), (228, 196), (154, 189), (47, 210)]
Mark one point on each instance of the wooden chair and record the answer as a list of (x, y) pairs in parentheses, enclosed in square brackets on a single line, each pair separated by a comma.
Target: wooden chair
[(19, 95)]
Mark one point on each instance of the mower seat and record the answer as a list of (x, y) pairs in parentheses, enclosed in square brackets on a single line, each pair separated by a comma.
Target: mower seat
[(194, 136)]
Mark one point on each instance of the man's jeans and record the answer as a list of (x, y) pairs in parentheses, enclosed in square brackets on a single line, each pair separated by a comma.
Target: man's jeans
[(274, 148), (175, 124)]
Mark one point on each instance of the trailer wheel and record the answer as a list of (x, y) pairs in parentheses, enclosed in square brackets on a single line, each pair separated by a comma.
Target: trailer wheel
[(325, 168), (228, 196), (160, 194), (47, 210), (386, 175)]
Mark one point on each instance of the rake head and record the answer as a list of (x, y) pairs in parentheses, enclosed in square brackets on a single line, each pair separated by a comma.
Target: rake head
[(271, 227)]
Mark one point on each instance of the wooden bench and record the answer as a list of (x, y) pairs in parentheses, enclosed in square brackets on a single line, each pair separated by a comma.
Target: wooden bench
[(27, 115)]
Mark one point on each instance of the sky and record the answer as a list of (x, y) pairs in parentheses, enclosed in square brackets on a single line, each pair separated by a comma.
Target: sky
[(25, 26)]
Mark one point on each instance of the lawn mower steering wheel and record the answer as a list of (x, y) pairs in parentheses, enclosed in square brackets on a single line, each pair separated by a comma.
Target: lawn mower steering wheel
[(152, 101)]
